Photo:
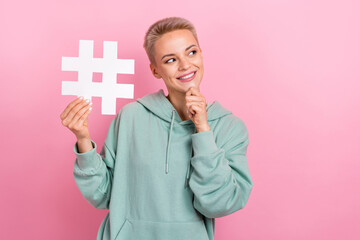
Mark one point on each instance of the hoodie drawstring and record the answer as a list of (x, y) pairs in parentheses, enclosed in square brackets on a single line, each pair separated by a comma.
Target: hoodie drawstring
[(168, 148), (168, 144), (188, 169)]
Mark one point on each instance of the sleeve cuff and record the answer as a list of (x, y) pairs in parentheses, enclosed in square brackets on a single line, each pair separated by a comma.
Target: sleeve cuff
[(87, 160), (204, 142)]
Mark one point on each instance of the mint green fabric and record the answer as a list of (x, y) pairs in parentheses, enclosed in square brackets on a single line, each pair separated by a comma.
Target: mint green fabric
[(162, 180)]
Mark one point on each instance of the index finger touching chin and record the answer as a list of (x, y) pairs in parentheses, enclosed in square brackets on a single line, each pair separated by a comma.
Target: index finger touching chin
[(189, 92), (195, 91)]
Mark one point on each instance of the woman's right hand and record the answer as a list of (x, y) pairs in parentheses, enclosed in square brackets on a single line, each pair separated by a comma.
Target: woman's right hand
[(75, 117)]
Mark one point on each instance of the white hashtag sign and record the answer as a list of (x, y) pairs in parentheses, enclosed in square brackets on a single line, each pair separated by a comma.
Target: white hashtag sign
[(109, 66)]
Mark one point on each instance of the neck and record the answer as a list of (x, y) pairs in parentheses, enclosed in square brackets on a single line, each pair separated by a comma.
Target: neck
[(179, 103)]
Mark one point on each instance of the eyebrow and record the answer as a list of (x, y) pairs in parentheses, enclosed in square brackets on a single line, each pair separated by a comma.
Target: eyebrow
[(171, 54)]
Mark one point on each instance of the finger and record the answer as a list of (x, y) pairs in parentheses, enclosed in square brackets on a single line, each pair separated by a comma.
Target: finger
[(81, 112), (69, 118), (83, 117), (195, 91), (189, 114), (197, 108), (188, 105), (188, 93), (78, 115), (201, 104), (191, 109), (195, 98), (191, 91), (70, 106)]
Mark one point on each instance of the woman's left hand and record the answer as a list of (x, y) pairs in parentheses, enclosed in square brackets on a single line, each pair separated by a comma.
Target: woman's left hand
[(196, 104)]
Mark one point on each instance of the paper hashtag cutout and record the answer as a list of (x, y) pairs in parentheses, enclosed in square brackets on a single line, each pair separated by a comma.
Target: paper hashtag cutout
[(109, 66)]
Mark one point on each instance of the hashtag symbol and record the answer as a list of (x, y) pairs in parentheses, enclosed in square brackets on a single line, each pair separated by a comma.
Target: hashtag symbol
[(109, 66)]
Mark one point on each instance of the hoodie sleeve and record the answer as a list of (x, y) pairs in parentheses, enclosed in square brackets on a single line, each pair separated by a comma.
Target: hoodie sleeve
[(94, 172), (221, 179)]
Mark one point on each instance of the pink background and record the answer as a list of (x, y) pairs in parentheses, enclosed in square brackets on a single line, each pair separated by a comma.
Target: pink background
[(289, 69)]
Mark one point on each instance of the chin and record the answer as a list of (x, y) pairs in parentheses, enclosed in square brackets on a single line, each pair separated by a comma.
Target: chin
[(191, 85), (183, 87)]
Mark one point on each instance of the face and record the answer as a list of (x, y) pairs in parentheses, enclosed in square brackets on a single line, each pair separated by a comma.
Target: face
[(179, 61)]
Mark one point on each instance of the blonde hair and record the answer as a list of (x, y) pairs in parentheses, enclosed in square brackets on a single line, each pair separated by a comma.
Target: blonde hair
[(159, 28)]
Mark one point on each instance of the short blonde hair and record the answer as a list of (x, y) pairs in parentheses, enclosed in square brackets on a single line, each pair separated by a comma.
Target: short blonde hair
[(159, 28)]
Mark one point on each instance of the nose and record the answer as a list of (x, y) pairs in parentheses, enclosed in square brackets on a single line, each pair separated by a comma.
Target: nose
[(184, 64)]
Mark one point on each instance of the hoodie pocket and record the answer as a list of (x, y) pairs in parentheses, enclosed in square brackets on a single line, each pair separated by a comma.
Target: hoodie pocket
[(150, 230)]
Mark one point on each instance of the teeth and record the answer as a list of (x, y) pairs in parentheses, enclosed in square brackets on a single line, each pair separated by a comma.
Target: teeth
[(188, 76)]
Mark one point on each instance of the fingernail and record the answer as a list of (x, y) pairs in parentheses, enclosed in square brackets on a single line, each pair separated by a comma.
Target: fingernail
[(90, 104), (81, 97), (90, 108), (87, 100)]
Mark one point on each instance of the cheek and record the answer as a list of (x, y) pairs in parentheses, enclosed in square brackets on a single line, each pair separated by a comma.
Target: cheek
[(167, 72), (172, 71), (199, 62)]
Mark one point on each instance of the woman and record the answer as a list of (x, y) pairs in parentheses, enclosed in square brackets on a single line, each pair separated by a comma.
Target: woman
[(170, 164)]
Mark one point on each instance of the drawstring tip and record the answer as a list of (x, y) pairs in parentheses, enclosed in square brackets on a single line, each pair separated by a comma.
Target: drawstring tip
[(167, 168)]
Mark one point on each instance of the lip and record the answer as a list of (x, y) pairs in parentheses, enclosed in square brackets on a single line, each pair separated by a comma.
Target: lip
[(187, 79), (186, 74)]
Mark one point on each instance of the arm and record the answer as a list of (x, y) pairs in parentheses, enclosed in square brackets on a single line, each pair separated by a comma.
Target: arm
[(93, 172), (221, 180)]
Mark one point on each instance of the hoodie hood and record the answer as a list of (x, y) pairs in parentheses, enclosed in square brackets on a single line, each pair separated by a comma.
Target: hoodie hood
[(160, 106)]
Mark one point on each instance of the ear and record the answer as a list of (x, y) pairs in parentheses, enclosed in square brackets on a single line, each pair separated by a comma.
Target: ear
[(154, 71)]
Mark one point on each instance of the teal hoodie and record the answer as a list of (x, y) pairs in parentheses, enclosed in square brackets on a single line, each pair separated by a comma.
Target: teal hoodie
[(162, 180)]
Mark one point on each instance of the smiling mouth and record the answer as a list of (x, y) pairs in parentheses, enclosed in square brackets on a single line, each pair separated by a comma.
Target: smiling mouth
[(188, 77)]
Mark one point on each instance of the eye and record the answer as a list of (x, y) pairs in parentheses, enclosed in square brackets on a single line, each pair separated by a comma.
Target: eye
[(168, 60), (174, 59), (193, 51)]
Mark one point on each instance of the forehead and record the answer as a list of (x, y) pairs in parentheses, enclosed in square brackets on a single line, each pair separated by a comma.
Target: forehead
[(175, 41)]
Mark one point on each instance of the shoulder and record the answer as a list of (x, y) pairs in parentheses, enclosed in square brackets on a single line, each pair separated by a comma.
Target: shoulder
[(126, 114), (131, 107), (129, 110), (232, 135), (231, 131), (233, 124)]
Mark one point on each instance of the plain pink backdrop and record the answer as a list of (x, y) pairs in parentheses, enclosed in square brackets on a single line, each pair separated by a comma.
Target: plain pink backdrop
[(289, 69)]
